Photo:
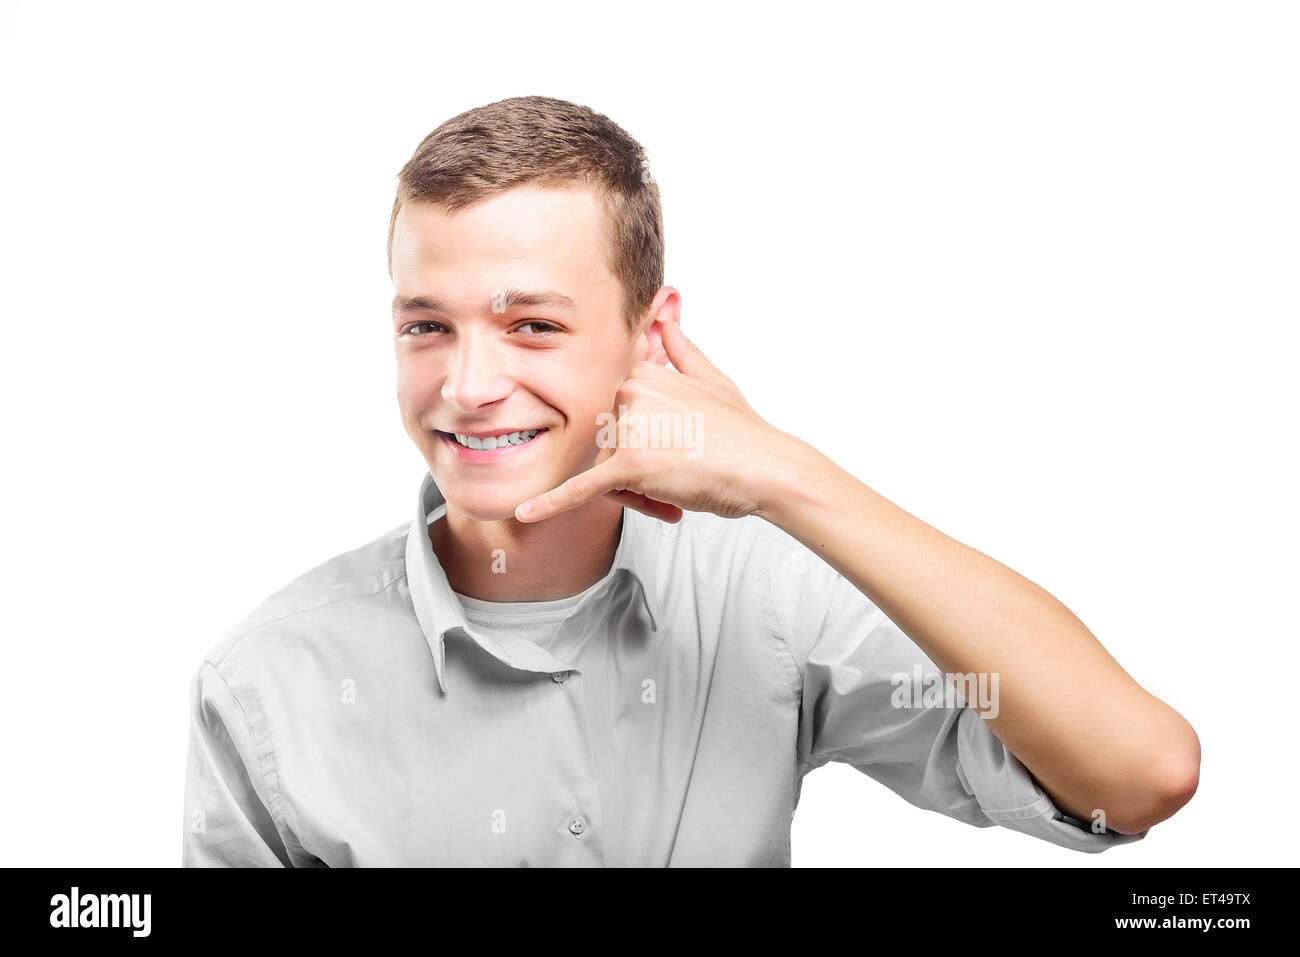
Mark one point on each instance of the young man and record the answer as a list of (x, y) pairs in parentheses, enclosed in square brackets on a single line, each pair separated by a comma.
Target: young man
[(628, 614)]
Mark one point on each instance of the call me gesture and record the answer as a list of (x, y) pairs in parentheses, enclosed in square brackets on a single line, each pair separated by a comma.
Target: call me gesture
[(1092, 737)]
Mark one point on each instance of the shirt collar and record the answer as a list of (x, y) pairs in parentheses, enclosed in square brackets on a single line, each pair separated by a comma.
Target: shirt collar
[(439, 611)]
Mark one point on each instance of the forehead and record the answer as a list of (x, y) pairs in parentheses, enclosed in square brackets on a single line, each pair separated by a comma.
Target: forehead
[(526, 233)]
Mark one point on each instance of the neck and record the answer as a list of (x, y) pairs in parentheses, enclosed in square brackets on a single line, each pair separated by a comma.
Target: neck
[(509, 560)]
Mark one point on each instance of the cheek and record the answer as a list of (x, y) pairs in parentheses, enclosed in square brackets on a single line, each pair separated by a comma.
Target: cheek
[(417, 383), (592, 410), (577, 385)]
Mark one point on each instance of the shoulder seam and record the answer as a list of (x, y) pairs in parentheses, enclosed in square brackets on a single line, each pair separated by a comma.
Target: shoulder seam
[(275, 802), (293, 614)]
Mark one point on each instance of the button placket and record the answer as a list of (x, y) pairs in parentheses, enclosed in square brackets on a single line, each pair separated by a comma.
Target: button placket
[(584, 799)]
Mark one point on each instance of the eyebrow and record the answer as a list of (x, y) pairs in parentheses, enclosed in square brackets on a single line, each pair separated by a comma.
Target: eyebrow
[(510, 298)]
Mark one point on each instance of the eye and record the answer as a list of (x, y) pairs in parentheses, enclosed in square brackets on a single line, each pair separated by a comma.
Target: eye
[(547, 328), (411, 329)]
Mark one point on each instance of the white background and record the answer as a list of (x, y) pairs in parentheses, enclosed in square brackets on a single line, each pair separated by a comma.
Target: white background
[(1028, 270)]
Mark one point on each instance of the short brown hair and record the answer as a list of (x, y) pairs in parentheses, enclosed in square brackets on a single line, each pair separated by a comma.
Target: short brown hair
[(547, 142)]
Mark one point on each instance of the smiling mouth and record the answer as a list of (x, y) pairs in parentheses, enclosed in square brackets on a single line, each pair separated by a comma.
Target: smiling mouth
[(491, 441)]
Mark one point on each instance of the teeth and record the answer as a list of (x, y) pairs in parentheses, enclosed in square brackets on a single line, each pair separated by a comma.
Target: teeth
[(500, 441)]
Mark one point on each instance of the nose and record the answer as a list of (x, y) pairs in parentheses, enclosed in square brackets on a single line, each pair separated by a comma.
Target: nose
[(475, 377)]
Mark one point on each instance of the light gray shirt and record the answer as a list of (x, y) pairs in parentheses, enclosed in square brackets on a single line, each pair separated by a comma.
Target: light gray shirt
[(357, 717)]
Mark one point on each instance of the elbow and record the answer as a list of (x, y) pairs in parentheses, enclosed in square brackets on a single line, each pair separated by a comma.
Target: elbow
[(1172, 779)]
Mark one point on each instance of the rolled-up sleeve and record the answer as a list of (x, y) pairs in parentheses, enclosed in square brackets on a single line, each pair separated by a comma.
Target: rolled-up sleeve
[(227, 818), (853, 664)]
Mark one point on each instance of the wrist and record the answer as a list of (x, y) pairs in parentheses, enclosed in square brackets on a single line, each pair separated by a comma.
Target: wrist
[(789, 481)]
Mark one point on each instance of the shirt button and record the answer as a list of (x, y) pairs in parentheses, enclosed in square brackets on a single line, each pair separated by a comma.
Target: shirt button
[(577, 824), (560, 677)]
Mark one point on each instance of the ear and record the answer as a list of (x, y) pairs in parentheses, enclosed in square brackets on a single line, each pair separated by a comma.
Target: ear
[(666, 307)]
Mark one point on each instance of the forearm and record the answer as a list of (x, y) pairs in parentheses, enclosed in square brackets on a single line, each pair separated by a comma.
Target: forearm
[(1090, 735)]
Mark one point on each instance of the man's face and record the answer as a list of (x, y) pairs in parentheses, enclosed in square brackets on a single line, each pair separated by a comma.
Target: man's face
[(471, 360)]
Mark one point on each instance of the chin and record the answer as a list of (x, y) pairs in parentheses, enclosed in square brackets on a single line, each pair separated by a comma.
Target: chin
[(489, 504)]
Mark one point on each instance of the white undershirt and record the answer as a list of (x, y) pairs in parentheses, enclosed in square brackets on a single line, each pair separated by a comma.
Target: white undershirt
[(537, 621)]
